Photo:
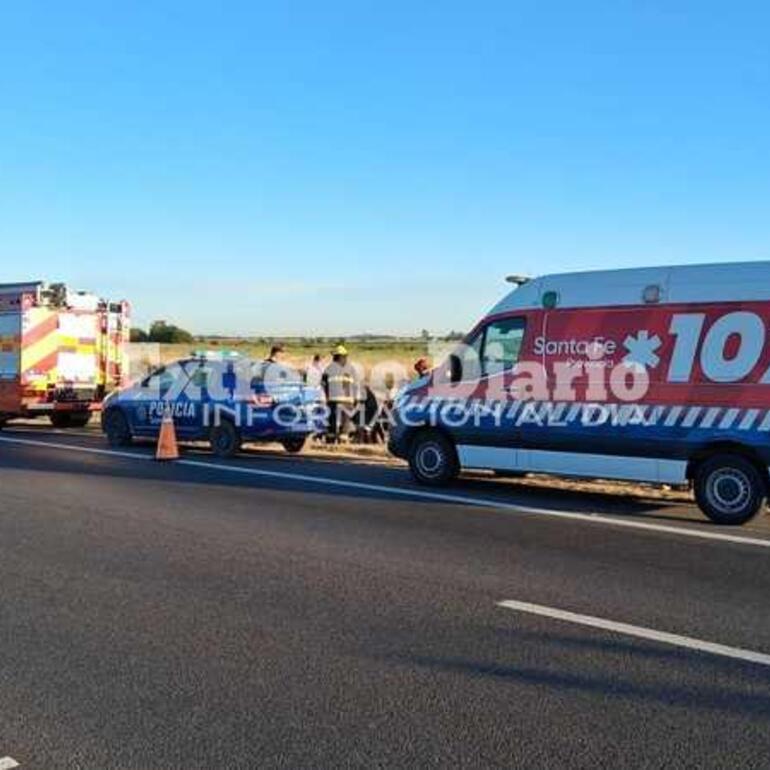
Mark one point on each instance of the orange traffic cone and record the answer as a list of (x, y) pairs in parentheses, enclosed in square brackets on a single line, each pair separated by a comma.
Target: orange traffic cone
[(167, 446)]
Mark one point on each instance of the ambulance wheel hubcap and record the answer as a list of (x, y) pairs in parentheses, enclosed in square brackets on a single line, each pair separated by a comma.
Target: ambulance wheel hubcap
[(728, 489), (430, 460)]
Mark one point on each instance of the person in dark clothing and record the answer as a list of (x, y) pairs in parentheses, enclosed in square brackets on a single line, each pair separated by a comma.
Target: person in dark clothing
[(276, 354)]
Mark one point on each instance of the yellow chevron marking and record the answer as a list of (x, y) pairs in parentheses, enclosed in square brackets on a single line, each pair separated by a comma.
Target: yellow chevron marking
[(34, 354), (81, 350)]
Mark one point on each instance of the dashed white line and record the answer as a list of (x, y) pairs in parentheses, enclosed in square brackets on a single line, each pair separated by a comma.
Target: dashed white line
[(7, 763), (591, 518), (639, 631)]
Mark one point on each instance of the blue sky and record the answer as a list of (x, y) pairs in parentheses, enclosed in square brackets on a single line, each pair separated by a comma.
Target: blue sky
[(327, 168)]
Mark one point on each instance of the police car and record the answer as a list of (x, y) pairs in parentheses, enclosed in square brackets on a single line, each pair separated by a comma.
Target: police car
[(225, 400)]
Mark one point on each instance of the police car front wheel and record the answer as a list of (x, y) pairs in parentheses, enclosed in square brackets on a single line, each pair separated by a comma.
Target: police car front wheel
[(729, 489), (116, 428), (433, 459), (225, 439)]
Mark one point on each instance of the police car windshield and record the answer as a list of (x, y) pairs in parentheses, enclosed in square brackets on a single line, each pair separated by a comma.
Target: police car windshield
[(162, 377), (271, 374)]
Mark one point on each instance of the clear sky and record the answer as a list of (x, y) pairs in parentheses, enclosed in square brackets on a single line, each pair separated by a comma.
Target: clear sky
[(341, 167)]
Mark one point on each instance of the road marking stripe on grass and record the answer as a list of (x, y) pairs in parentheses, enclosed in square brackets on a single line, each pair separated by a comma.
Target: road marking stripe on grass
[(7, 763), (593, 518), (639, 631)]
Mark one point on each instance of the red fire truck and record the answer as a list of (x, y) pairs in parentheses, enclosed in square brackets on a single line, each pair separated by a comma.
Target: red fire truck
[(61, 352)]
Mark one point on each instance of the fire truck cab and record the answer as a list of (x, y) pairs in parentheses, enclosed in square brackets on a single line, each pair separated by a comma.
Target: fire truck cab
[(61, 351)]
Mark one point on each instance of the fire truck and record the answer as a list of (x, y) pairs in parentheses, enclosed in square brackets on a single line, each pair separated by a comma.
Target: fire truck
[(61, 352)]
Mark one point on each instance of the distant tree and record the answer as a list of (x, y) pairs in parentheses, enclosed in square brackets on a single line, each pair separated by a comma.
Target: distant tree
[(454, 336), (138, 335), (425, 334), (160, 331)]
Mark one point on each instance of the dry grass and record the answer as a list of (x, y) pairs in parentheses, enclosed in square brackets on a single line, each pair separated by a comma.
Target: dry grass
[(399, 352)]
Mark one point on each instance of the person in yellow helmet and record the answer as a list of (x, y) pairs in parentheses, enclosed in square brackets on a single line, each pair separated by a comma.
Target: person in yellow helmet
[(340, 386)]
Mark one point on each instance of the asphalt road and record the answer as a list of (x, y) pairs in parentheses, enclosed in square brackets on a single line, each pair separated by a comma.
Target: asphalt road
[(276, 612)]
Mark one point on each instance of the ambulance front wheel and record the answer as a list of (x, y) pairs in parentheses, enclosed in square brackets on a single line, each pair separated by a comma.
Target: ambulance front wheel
[(433, 458), (729, 489), (225, 439)]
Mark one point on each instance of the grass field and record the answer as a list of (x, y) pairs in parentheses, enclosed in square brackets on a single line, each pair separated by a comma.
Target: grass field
[(399, 353)]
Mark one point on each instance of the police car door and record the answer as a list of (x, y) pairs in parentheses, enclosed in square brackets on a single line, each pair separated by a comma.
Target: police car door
[(164, 390)]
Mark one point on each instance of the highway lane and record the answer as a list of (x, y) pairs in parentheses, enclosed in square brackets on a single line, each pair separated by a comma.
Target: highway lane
[(170, 616)]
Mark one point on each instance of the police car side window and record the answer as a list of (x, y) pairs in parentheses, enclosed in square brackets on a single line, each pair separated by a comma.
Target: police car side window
[(200, 378), (502, 345), (160, 380)]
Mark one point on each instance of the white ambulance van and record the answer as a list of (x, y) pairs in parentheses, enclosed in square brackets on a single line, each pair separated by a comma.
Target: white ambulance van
[(655, 375)]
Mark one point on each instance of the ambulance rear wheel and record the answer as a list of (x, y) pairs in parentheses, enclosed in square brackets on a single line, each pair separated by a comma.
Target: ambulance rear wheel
[(433, 459), (116, 428), (294, 445), (729, 489), (225, 439)]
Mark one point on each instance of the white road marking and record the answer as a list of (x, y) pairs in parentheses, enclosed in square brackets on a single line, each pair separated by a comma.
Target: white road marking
[(639, 631), (7, 763), (592, 518)]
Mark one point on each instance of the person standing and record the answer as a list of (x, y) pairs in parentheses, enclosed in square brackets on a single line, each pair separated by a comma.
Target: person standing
[(314, 373), (272, 370), (339, 383), (276, 354)]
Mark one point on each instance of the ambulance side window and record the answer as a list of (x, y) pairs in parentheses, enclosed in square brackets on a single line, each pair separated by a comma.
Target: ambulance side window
[(465, 361), (502, 345)]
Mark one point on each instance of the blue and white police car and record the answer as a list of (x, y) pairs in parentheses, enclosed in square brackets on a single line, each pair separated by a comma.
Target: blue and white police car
[(224, 400)]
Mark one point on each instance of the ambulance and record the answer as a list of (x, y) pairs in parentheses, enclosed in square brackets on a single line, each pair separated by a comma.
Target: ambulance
[(61, 352), (658, 375)]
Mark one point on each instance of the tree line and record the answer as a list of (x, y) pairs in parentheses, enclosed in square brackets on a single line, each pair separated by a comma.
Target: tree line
[(160, 331)]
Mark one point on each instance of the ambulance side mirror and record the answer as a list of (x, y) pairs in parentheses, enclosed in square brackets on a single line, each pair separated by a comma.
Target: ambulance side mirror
[(455, 368)]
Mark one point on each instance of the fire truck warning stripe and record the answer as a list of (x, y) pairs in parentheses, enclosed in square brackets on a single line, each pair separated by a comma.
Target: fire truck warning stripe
[(42, 356), (44, 329), (85, 350), (68, 340), (41, 365)]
